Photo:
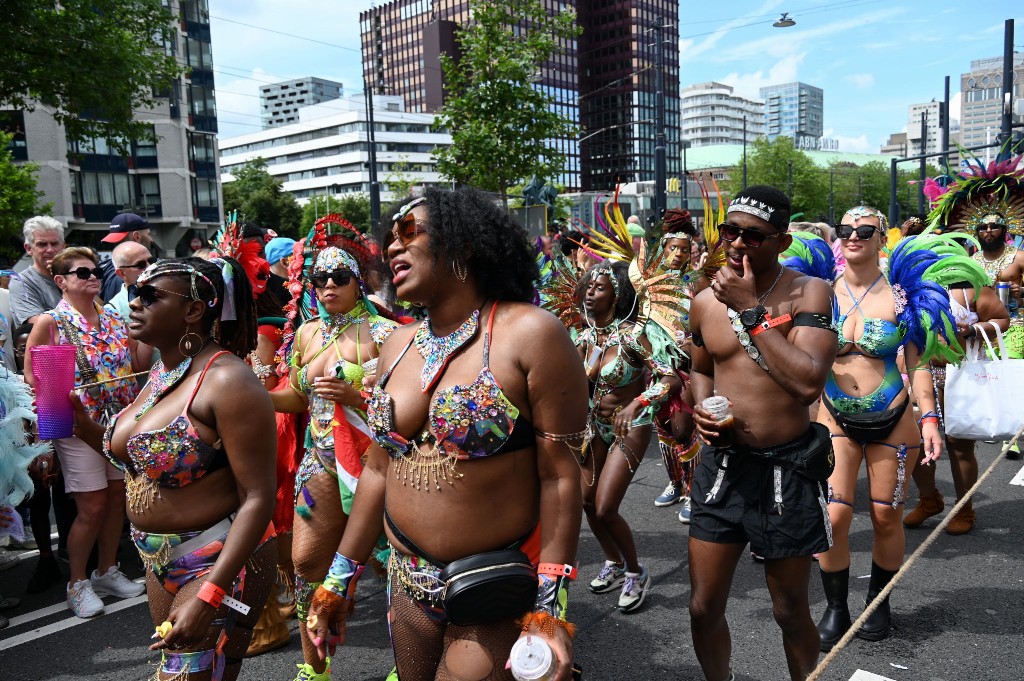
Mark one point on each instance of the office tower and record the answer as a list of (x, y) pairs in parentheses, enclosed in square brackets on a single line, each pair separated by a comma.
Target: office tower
[(713, 114), (280, 102), (795, 110), (982, 95)]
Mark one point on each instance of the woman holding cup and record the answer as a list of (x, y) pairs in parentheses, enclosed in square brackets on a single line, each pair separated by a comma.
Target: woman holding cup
[(103, 363)]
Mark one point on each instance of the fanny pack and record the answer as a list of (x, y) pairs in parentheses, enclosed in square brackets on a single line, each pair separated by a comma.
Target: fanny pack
[(485, 587), (865, 427), (810, 456)]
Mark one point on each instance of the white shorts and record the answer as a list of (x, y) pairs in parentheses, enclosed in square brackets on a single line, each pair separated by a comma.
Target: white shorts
[(85, 469)]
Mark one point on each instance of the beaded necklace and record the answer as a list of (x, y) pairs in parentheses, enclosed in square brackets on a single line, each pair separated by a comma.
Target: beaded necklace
[(336, 323), (436, 352), (161, 382)]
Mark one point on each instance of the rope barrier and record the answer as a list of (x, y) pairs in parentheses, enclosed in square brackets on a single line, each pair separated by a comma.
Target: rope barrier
[(929, 540)]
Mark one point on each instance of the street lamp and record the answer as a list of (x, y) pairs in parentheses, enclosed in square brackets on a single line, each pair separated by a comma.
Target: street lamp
[(784, 21)]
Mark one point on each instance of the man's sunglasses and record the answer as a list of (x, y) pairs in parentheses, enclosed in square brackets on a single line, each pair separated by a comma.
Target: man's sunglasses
[(407, 229), (147, 294), (140, 265), (339, 277), (864, 232), (751, 237), (84, 273), (990, 227)]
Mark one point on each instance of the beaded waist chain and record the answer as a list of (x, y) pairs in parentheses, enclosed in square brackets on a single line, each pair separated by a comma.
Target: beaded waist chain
[(419, 577)]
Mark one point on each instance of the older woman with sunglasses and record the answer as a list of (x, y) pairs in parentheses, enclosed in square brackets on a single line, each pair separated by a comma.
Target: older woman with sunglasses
[(332, 354), (865, 403), (104, 362), (474, 470)]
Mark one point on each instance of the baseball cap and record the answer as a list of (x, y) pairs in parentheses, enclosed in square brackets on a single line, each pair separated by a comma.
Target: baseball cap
[(277, 248), (122, 225)]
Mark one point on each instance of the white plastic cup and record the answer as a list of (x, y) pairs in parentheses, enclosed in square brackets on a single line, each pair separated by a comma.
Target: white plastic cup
[(718, 407), (532, 660)]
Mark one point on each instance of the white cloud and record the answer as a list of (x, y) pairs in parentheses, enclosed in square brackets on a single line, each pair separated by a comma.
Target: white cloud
[(749, 84), (861, 80), (954, 106), (690, 49), (855, 145)]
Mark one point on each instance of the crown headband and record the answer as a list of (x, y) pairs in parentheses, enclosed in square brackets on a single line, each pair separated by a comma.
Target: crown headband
[(859, 212), (166, 267), (751, 206), (333, 258)]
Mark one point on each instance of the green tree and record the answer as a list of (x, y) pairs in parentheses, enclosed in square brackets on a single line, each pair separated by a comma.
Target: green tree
[(502, 124), (354, 207), (768, 163), (93, 61), (18, 198), (258, 197)]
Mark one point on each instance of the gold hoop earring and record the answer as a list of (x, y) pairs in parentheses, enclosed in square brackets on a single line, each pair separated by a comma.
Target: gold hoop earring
[(189, 347), (460, 269)]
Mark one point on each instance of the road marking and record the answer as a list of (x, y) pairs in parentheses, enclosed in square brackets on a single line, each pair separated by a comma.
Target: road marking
[(1019, 478), (38, 614), (861, 675), (28, 636)]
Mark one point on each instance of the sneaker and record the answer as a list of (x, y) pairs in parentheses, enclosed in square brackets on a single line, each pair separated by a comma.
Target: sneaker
[(306, 673), (7, 559), (634, 590), (1013, 452), (47, 574), (685, 512), (673, 493), (83, 601), (115, 583), (26, 544), (611, 577)]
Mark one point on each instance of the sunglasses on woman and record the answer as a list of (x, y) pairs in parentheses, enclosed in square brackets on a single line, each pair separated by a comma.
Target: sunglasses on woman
[(407, 229), (751, 237), (147, 294), (864, 232), (84, 273), (339, 277)]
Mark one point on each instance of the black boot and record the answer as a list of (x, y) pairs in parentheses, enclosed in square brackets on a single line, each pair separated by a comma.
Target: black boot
[(836, 619), (876, 627)]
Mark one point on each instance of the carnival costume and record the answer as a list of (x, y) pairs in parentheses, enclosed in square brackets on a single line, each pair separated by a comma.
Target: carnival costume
[(17, 452), (174, 456)]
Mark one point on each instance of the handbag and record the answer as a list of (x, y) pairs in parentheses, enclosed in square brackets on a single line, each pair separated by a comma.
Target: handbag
[(488, 587), (983, 392)]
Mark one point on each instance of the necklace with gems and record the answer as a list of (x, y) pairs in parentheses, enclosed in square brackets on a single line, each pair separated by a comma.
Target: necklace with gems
[(161, 382), (436, 352), (336, 323)]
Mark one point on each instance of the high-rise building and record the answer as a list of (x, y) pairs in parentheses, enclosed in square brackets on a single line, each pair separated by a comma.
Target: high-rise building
[(896, 145), (172, 182), (713, 114), (982, 96), (794, 110), (604, 81), (930, 113), (280, 102)]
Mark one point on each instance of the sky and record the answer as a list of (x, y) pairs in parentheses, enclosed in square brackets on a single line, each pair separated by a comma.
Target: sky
[(872, 58)]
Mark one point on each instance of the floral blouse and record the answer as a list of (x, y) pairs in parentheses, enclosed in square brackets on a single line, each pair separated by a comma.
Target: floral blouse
[(106, 348)]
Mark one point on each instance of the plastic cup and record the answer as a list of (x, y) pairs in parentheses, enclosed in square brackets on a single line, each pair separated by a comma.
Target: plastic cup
[(719, 408), (53, 368), (532, 660)]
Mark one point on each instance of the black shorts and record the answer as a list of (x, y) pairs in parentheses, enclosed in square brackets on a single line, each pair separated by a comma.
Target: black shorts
[(743, 508)]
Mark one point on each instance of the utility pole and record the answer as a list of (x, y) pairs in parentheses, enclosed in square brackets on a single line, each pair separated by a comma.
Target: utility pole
[(923, 170), (1006, 122), (831, 197), (370, 135), (660, 170), (944, 120), (686, 176), (789, 185), (893, 203), (744, 151)]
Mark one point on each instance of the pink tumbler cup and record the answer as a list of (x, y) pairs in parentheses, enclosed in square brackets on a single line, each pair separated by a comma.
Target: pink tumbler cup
[(53, 367)]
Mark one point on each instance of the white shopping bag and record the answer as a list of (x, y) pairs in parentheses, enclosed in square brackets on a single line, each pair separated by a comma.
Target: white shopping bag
[(983, 395)]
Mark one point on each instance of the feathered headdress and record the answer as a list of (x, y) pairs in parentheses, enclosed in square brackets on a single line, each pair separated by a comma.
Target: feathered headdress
[(981, 190), (715, 259), (229, 243), (810, 255), (920, 268)]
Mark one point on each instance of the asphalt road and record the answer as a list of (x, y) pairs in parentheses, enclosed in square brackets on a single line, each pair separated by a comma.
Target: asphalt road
[(959, 613)]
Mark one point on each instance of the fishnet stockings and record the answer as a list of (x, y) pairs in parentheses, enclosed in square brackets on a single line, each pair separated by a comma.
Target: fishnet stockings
[(260, 573), (314, 543), (427, 650)]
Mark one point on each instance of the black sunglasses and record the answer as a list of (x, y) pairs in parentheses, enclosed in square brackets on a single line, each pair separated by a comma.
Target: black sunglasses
[(751, 237), (339, 277), (864, 232), (84, 273), (147, 294), (990, 227), (140, 265)]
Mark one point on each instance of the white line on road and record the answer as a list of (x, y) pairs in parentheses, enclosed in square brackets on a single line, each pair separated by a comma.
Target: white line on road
[(1019, 478), (861, 675), (68, 623)]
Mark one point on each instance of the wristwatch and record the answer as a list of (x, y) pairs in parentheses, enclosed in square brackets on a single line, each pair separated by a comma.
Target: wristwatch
[(751, 317)]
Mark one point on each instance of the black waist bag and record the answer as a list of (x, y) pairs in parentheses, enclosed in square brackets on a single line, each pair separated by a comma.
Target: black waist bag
[(488, 587), (811, 456)]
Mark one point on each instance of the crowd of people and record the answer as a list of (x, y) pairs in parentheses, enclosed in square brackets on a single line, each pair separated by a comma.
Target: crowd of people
[(444, 401)]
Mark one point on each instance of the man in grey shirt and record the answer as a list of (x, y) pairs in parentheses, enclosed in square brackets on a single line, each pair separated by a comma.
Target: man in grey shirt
[(33, 291)]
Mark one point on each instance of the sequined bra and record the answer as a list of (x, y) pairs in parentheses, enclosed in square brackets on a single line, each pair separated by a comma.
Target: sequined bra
[(880, 338), (467, 421), (172, 456)]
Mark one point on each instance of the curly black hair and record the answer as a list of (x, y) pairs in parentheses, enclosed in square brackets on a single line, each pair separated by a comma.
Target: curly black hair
[(238, 336), (571, 242), (625, 297), (468, 224)]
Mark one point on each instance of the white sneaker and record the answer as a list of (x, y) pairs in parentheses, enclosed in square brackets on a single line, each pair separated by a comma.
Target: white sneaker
[(634, 590), (611, 576), (7, 559), (83, 601), (115, 583)]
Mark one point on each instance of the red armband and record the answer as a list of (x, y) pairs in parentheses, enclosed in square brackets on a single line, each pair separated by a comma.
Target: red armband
[(768, 323), (557, 570), (211, 594)]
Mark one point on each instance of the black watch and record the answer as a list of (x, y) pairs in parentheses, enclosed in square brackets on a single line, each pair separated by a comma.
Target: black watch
[(753, 316)]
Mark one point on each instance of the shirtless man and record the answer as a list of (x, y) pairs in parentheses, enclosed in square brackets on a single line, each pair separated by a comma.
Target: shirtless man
[(784, 320)]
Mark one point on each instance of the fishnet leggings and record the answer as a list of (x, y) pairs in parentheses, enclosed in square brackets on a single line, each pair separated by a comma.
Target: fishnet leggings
[(314, 543), (427, 650), (260, 574)]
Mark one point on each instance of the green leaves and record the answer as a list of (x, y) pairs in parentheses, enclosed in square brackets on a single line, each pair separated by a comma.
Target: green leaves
[(258, 197), (18, 196)]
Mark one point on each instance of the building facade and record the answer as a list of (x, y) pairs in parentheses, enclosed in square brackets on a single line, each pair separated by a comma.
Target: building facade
[(794, 110), (280, 102), (713, 114), (981, 99), (604, 81), (172, 182), (896, 145), (930, 113), (326, 152)]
